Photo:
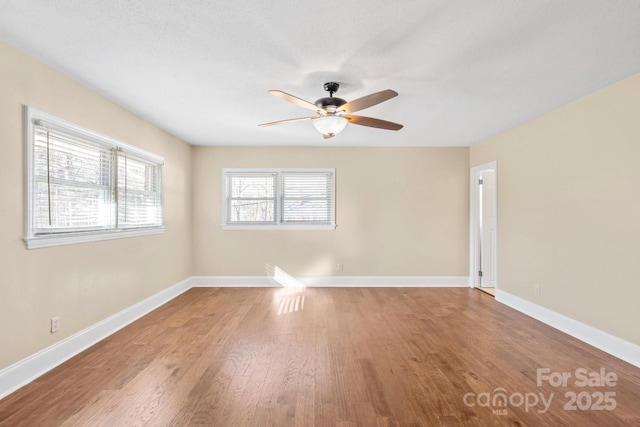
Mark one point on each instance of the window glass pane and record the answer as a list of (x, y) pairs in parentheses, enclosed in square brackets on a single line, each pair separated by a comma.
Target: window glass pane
[(252, 186), (139, 197), (306, 211), (306, 185), (252, 211), (307, 197), (251, 198), (79, 207), (72, 190)]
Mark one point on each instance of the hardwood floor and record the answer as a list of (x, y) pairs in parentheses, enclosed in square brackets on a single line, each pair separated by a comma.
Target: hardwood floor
[(330, 357)]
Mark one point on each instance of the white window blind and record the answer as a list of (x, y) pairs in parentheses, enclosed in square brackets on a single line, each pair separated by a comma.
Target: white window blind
[(307, 197), (279, 198), (72, 180), (139, 197), (82, 186)]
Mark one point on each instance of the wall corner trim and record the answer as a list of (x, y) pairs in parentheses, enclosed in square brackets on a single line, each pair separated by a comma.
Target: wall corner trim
[(624, 350)]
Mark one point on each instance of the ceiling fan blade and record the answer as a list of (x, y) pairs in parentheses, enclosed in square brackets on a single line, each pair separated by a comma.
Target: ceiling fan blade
[(368, 101), (280, 122), (299, 102), (373, 123)]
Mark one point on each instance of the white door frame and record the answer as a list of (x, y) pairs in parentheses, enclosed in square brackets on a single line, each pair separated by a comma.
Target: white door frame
[(474, 207)]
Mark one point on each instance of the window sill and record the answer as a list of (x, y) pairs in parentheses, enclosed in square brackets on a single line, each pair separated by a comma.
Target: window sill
[(279, 227), (46, 241)]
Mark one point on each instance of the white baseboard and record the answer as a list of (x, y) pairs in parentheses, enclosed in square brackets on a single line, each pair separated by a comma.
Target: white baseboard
[(608, 343), (282, 279), (27, 370), (23, 372)]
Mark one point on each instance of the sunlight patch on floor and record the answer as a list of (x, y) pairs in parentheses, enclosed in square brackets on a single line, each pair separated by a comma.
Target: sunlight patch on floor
[(290, 298), (291, 304)]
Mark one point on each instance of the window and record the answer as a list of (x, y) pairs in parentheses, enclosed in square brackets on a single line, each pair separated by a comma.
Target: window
[(278, 199), (82, 186)]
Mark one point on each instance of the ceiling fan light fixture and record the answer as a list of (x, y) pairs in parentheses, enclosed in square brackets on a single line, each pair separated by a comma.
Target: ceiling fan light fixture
[(334, 113), (330, 125)]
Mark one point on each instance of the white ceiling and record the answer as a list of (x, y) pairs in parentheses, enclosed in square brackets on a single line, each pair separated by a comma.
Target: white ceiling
[(464, 70)]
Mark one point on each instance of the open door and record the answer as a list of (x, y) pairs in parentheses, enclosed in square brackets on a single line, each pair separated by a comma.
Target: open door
[(487, 229), (484, 227)]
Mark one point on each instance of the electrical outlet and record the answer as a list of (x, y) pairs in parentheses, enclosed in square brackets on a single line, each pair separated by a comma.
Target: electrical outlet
[(55, 324), (340, 267), (536, 289)]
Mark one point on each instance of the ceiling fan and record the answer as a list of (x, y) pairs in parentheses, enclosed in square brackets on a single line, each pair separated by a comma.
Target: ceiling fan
[(334, 113)]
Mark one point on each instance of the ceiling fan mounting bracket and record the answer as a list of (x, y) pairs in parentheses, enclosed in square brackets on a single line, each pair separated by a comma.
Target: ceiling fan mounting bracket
[(331, 87)]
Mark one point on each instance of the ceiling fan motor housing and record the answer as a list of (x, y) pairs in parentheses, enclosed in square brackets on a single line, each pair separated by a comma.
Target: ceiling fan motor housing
[(330, 101)]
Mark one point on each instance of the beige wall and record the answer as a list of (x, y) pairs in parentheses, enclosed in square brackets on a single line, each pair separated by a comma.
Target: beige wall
[(82, 283), (567, 214), (569, 209), (424, 234), (400, 212)]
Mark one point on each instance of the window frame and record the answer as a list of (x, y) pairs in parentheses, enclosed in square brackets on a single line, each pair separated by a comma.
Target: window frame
[(34, 239), (278, 223)]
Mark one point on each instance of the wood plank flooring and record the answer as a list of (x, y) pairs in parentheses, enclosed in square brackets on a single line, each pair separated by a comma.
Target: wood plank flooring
[(330, 357)]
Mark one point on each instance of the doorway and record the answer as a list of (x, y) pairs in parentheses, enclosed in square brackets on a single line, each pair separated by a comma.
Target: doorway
[(483, 227)]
